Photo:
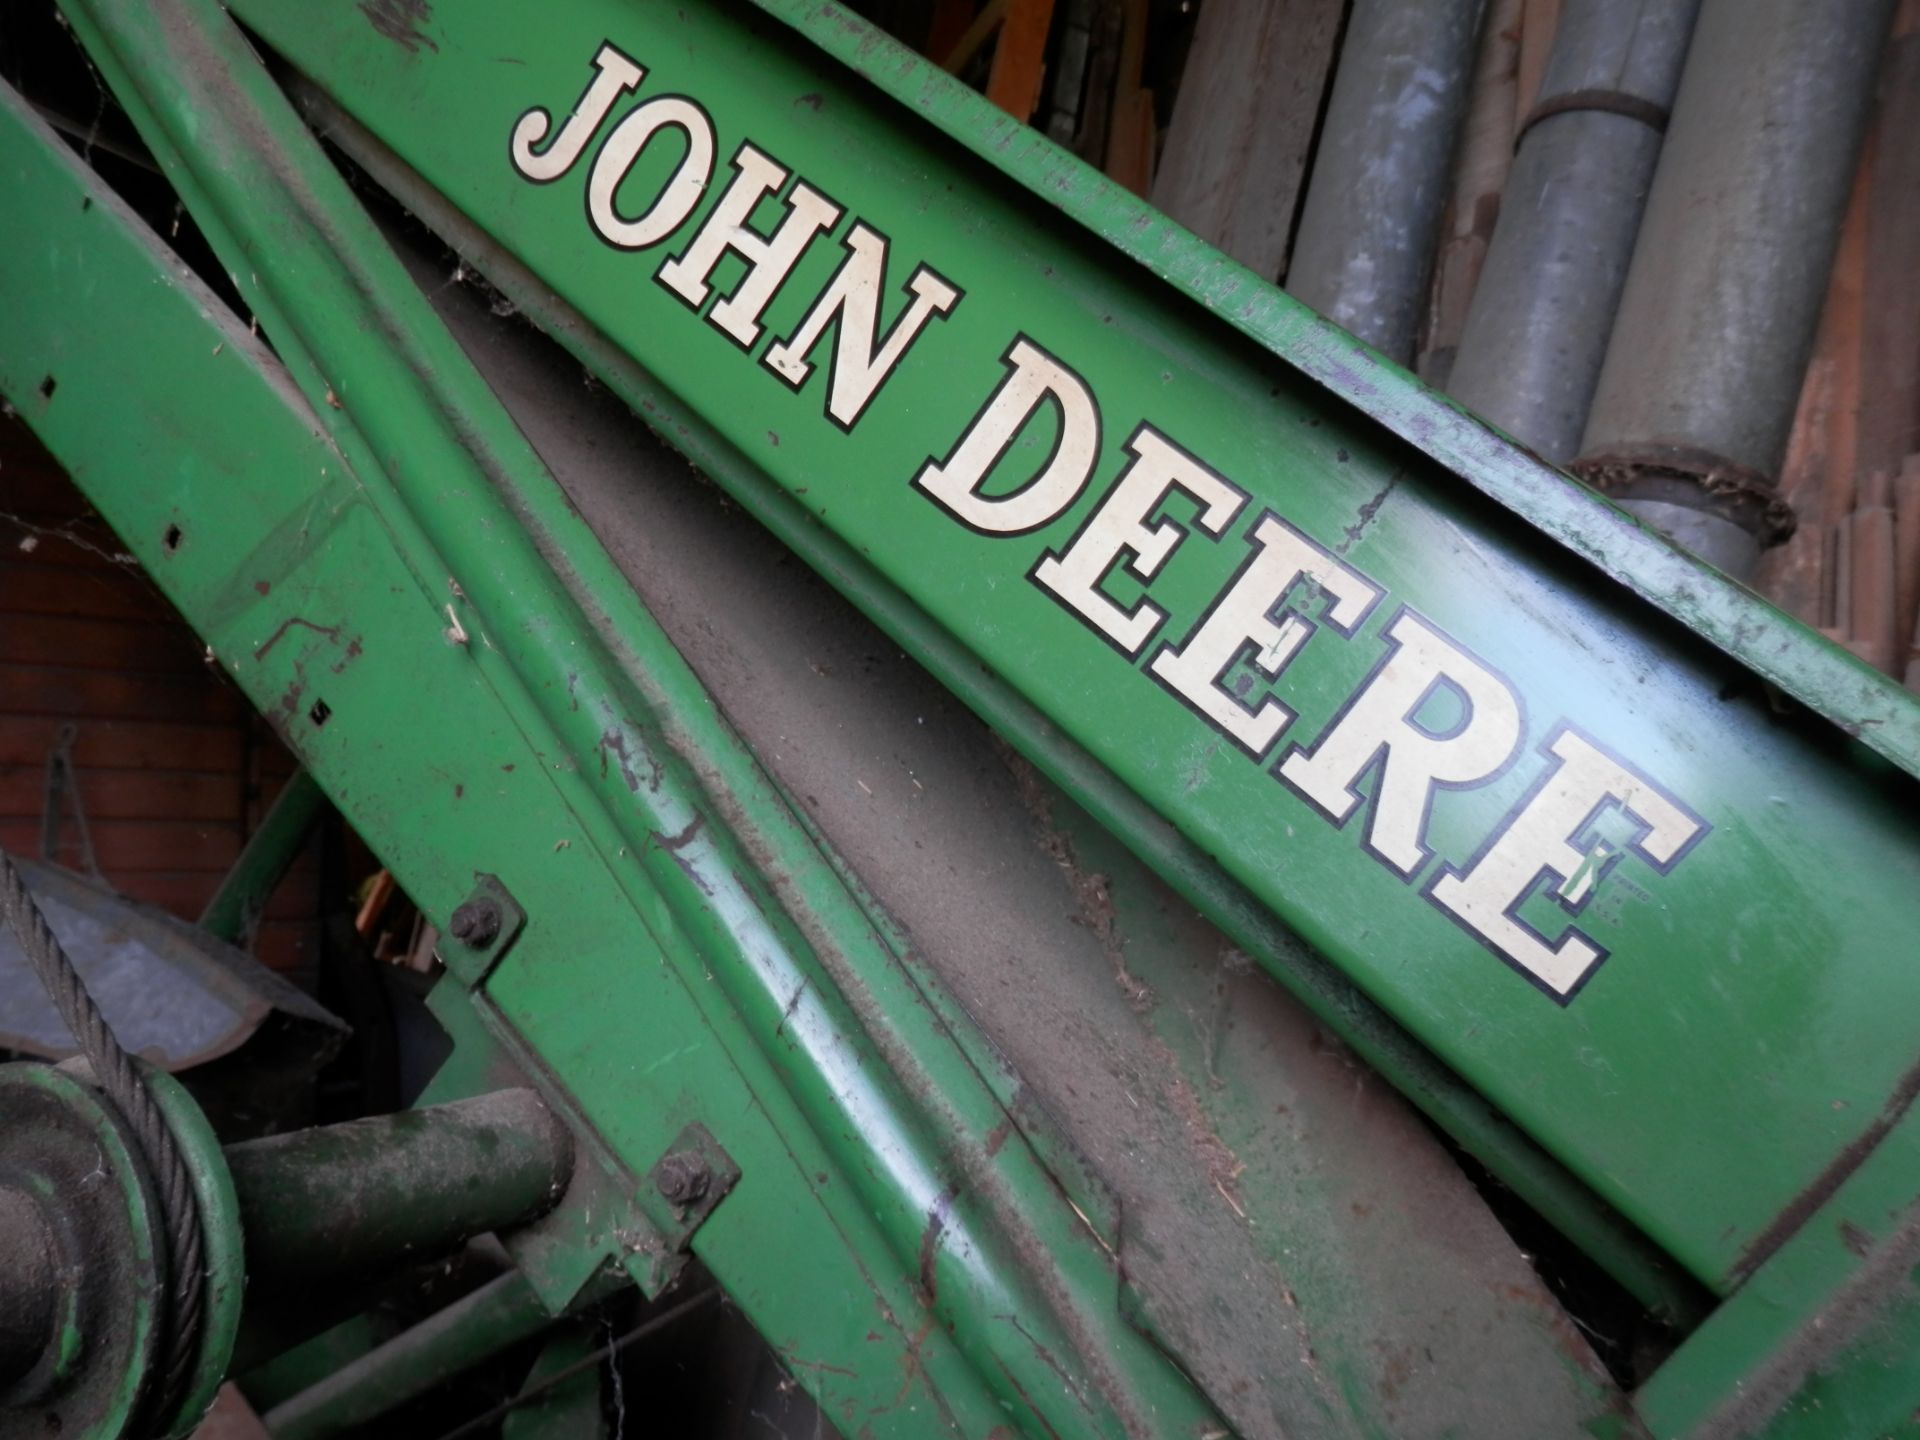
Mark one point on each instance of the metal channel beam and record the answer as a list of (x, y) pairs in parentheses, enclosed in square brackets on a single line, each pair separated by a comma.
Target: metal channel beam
[(1596, 872), (656, 982)]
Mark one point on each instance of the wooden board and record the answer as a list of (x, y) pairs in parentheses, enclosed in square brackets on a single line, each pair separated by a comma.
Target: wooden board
[(1889, 426), (1235, 155), (1817, 476), (1019, 58)]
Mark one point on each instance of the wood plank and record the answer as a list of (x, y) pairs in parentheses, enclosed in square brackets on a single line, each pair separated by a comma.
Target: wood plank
[(1817, 476), (991, 17), (36, 489), (273, 762), (1235, 156), (1131, 131), (49, 582), (1019, 58), (1906, 522), (185, 893), (1479, 179), (66, 535), (1130, 141), (1889, 424), (1871, 624), (1538, 20), (949, 24)]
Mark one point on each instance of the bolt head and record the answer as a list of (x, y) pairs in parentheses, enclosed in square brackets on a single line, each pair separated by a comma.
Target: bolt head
[(476, 923), (683, 1177)]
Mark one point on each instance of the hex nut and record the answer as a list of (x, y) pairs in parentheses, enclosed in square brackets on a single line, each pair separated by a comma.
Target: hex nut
[(476, 924), (683, 1177)]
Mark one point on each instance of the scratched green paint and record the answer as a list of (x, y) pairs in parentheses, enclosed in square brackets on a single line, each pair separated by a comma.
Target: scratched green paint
[(208, 438)]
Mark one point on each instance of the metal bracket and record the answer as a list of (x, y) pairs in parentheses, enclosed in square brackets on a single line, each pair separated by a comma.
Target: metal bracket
[(481, 930), (683, 1188)]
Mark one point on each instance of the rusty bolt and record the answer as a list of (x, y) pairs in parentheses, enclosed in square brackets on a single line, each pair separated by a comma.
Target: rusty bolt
[(683, 1177), (476, 923)]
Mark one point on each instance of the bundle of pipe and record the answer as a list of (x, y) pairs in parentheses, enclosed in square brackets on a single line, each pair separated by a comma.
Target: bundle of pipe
[(1372, 212), (1696, 397), (1536, 330)]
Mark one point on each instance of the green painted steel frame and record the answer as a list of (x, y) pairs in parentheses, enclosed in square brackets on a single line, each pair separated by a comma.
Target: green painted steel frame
[(1686, 1026), (236, 907), (915, 1272), (335, 539), (1697, 1023), (1466, 1116)]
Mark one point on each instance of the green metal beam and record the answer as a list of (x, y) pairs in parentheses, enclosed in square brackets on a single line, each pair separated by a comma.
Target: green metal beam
[(410, 415), (1746, 1021), (1820, 1340), (236, 907), (1463, 1114), (463, 1336), (569, 991), (1694, 929)]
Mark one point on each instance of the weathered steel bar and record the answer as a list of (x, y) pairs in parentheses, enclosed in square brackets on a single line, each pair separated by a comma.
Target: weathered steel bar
[(1536, 331), (465, 1334), (796, 1036), (374, 1193), (1727, 997), (1696, 397), (235, 907), (1372, 210)]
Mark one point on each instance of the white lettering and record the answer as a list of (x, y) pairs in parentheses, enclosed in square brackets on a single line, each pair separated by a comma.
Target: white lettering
[(1036, 377), (1119, 528), (853, 298), (770, 259), (616, 75), (1551, 835), (1243, 618), (677, 198), (1379, 720)]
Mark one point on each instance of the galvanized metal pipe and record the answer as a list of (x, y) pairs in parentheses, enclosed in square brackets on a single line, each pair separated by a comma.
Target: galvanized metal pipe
[(1536, 331), (321, 1203), (1696, 398), (1372, 211), (468, 1332)]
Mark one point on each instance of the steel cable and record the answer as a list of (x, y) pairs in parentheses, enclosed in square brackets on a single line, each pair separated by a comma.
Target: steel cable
[(609, 1351), (114, 1069)]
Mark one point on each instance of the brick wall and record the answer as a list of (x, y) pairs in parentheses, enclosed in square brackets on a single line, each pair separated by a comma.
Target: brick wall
[(174, 768)]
